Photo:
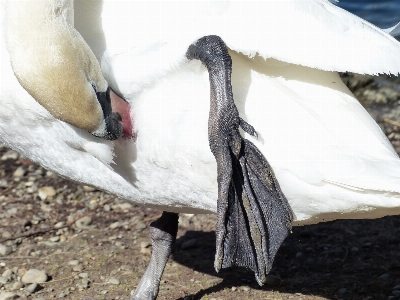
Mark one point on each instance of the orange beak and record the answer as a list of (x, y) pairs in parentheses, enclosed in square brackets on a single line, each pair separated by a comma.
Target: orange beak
[(122, 107)]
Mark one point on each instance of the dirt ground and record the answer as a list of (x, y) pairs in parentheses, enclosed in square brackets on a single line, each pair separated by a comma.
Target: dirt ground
[(104, 254)]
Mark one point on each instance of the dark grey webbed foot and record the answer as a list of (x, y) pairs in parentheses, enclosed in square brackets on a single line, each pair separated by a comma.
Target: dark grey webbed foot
[(254, 216), (163, 234)]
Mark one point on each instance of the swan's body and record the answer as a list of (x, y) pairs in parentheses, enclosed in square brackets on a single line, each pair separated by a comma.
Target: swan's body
[(328, 155), (330, 158)]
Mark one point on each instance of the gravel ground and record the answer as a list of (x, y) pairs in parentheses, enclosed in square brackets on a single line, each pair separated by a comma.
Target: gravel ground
[(62, 240)]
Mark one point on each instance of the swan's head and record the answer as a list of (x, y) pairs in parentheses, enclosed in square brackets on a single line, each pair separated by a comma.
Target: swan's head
[(55, 65)]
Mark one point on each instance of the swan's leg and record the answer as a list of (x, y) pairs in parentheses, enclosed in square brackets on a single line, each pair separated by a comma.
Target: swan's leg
[(163, 234), (254, 216)]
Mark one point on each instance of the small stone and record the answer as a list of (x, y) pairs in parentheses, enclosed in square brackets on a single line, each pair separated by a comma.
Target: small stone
[(59, 225), (83, 222), (189, 244), (396, 293), (104, 292), (4, 279), (245, 288), (5, 250), (46, 191), (10, 154), (54, 239), (234, 289), (115, 225), (299, 254), (38, 299), (74, 262), (140, 226), (83, 275), (397, 287), (88, 188), (7, 273), (32, 288), (125, 205), (354, 249), (107, 207), (82, 286), (17, 285), (113, 280), (77, 268), (19, 172), (6, 235), (3, 183), (34, 276), (62, 295), (342, 291), (384, 276), (7, 296)]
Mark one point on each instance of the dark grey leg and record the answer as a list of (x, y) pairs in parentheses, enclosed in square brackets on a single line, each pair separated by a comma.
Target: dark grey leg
[(254, 216), (163, 234)]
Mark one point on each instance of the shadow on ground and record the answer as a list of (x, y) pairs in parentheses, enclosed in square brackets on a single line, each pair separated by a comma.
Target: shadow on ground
[(347, 259)]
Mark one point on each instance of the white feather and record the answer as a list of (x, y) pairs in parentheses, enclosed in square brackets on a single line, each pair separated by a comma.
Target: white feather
[(331, 159)]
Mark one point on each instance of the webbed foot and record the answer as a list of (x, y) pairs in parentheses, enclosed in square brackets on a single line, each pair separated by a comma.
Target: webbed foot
[(254, 216)]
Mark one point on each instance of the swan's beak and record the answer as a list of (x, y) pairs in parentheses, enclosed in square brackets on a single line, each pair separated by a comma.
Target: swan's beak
[(120, 106)]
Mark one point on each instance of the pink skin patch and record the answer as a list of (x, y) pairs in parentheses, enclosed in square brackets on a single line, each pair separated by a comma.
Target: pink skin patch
[(122, 107)]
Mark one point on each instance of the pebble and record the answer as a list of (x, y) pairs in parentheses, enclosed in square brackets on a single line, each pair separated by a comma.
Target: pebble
[(299, 254), (125, 205), (59, 225), (354, 249), (7, 296), (10, 154), (189, 244), (32, 288), (115, 225), (3, 183), (83, 275), (54, 239), (245, 288), (38, 299), (113, 280), (88, 188), (396, 293), (384, 276), (397, 287), (74, 262), (19, 172), (17, 285), (34, 276), (4, 279), (7, 273), (140, 226), (234, 289), (46, 191), (5, 250), (83, 222), (6, 235), (77, 268), (342, 291)]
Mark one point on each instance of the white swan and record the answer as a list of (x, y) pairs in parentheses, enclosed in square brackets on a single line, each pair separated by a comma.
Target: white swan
[(330, 158)]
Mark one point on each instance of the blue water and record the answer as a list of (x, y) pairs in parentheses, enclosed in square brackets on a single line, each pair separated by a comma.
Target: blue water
[(382, 13)]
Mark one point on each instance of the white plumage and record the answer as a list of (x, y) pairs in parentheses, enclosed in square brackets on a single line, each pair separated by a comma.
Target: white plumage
[(330, 158)]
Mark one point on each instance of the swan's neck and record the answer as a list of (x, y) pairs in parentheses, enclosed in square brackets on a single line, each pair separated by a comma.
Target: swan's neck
[(53, 62)]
